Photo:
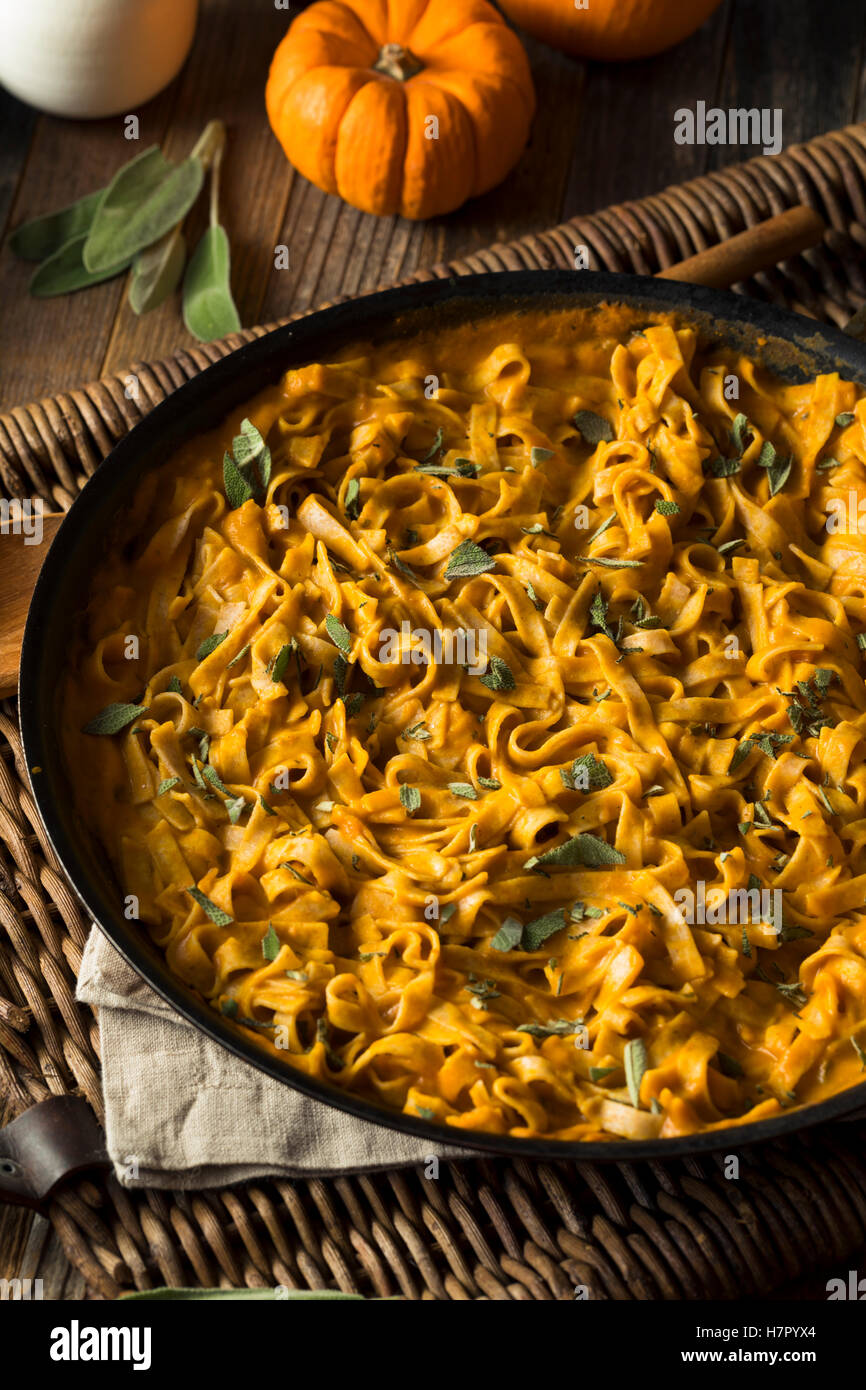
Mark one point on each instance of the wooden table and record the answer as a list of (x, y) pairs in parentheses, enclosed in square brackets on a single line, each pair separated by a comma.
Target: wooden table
[(602, 135)]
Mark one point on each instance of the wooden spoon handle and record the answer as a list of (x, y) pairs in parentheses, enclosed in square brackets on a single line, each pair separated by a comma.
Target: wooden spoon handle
[(757, 248)]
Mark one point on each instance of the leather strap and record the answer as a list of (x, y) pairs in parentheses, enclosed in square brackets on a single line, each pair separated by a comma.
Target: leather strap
[(49, 1142)]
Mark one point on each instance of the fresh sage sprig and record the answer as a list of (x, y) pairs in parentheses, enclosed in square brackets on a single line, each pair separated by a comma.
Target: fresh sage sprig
[(208, 308), (137, 220)]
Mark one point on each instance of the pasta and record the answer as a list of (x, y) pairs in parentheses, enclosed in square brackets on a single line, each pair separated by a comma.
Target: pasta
[(480, 720)]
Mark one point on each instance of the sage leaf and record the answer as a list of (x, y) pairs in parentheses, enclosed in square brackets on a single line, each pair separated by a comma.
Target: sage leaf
[(214, 778), (739, 430), (536, 933), (635, 1065), (216, 914), (435, 447), (238, 489), (41, 237), (498, 675), (585, 849), (508, 936), (419, 731), (556, 1028), (608, 562), (156, 272), (722, 467), (339, 635), (209, 311), (466, 560), (64, 272), (352, 502), (594, 428), (113, 718), (404, 569), (210, 644), (249, 448), (270, 943), (538, 455), (464, 789), (278, 670), (144, 200), (410, 799)]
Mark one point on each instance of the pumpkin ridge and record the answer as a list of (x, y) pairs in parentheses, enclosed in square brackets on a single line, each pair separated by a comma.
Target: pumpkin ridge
[(389, 201), (376, 40), (486, 14)]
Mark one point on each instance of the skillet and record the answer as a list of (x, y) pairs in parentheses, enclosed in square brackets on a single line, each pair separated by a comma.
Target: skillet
[(790, 345)]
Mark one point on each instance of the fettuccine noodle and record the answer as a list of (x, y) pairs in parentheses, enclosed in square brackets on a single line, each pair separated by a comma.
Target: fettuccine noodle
[(492, 883)]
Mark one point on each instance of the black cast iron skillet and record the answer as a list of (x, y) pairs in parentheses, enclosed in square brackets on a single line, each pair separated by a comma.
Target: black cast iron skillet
[(792, 346)]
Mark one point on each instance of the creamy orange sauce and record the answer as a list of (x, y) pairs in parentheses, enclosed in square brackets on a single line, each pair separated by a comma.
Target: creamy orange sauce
[(601, 870)]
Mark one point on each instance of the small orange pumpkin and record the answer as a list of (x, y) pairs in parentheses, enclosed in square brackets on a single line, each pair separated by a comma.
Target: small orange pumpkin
[(401, 106), (611, 30)]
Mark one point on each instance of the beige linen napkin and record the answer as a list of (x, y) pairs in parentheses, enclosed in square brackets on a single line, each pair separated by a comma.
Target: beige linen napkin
[(181, 1111)]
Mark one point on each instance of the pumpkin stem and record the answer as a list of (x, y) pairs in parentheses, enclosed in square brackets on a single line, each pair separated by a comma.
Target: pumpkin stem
[(397, 62)]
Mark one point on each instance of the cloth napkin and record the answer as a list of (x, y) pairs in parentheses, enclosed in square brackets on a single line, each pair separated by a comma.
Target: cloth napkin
[(181, 1111)]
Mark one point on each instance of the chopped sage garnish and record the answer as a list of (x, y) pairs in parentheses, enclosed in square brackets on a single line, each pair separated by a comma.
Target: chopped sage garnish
[(635, 1060), (594, 428), (498, 675), (339, 635), (113, 718), (216, 914), (468, 559), (270, 943), (410, 799)]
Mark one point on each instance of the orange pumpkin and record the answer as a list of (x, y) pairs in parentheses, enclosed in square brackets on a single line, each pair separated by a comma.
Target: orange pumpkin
[(611, 30), (401, 106)]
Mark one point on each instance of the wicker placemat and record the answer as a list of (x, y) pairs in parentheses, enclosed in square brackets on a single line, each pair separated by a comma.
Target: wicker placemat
[(481, 1228)]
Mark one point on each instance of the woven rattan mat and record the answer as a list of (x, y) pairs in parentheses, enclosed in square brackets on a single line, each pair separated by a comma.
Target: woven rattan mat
[(484, 1228)]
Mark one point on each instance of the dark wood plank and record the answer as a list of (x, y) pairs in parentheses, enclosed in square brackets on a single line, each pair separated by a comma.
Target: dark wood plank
[(224, 78), (802, 57), (624, 147)]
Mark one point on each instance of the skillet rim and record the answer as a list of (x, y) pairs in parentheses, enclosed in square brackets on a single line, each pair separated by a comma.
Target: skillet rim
[(211, 394)]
